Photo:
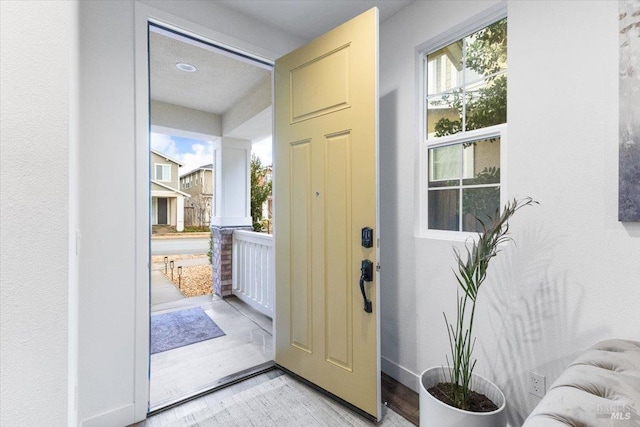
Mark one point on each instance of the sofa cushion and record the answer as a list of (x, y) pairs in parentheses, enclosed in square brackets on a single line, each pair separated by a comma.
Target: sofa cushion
[(600, 388)]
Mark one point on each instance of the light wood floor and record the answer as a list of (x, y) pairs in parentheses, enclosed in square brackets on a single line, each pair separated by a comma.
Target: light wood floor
[(173, 414), (396, 396), (190, 370)]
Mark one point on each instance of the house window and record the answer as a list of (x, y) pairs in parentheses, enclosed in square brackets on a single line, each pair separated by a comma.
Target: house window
[(465, 91), (163, 172)]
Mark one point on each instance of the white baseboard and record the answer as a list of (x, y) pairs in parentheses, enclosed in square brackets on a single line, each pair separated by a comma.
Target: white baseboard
[(122, 416), (400, 374)]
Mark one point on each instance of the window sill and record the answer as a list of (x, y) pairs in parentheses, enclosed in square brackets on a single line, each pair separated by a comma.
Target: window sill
[(450, 236)]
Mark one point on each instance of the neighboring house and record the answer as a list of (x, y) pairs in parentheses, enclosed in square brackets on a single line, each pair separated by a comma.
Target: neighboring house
[(167, 201), (199, 185)]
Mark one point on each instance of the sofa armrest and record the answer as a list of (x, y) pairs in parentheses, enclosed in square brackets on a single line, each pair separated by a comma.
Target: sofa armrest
[(600, 388)]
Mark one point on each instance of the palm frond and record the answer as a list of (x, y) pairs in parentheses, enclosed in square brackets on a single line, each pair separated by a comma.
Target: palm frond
[(472, 267)]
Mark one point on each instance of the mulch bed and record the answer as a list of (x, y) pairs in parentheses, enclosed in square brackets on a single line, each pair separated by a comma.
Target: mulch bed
[(195, 281)]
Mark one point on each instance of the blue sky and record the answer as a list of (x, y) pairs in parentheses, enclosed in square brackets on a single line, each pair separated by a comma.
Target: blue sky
[(194, 153)]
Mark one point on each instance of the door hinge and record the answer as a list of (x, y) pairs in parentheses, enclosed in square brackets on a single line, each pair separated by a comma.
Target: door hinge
[(377, 266)]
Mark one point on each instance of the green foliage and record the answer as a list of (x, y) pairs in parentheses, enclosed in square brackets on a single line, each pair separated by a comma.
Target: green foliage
[(472, 268), (481, 202), (488, 49), (260, 191), (489, 106), (486, 53)]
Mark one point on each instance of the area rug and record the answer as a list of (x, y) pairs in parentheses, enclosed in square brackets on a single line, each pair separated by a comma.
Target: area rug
[(180, 328), (282, 401)]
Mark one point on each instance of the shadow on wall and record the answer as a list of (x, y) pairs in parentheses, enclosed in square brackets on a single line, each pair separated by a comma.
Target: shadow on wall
[(632, 228), (389, 220), (534, 314)]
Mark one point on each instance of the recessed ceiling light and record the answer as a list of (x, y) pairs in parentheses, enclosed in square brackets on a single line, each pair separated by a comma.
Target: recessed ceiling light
[(187, 68)]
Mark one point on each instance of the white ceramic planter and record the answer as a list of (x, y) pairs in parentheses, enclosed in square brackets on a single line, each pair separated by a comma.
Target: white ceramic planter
[(434, 413)]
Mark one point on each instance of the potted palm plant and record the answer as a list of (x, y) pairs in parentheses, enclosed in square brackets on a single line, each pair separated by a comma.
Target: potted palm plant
[(455, 395)]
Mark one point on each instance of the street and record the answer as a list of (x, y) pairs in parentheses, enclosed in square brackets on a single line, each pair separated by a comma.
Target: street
[(179, 246)]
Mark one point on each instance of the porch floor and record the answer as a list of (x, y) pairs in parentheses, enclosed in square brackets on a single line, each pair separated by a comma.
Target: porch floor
[(186, 371)]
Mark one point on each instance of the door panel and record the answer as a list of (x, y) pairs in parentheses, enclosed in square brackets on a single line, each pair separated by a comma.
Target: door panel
[(339, 283), (325, 184), (301, 312), (307, 98)]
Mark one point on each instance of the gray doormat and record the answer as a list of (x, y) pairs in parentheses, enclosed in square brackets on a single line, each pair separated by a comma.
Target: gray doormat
[(180, 328)]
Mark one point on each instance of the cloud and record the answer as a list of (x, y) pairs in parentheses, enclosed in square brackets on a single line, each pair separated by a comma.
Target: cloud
[(195, 153), (164, 144), (191, 153), (262, 149), (201, 154)]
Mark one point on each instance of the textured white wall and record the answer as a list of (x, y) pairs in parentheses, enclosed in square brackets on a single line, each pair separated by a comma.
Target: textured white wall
[(106, 297), (573, 278), (108, 198), (405, 276), (34, 185)]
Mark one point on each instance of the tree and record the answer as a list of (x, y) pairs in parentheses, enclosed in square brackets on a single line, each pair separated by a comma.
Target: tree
[(486, 52), (202, 206), (260, 190)]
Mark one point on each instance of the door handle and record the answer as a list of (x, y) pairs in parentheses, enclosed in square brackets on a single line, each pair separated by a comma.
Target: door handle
[(366, 276)]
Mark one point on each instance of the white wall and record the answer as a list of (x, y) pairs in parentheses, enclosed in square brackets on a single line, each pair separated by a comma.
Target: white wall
[(107, 278), (34, 209), (571, 281), (574, 277), (68, 163)]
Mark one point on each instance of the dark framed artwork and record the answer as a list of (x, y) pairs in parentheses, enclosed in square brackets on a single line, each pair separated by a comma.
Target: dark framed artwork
[(629, 139)]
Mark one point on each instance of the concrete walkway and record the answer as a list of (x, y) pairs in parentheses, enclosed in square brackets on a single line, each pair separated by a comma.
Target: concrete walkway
[(162, 289)]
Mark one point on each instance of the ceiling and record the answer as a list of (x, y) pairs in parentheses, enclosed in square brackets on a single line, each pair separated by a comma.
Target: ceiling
[(221, 81), (218, 84), (308, 19)]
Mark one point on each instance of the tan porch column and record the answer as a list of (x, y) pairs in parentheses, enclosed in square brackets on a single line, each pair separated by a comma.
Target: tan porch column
[(231, 205)]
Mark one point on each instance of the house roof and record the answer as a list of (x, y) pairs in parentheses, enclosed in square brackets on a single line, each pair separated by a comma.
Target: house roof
[(171, 159), (208, 167), (169, 188)]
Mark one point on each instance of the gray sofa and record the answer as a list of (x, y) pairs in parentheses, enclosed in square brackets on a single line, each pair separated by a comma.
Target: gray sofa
[(600, 388)]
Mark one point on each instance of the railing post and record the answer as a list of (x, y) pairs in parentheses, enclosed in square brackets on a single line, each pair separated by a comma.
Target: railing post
[(222, 259)]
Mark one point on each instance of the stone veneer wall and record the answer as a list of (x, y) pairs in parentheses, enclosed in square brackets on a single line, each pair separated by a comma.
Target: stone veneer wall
[(222, 259)]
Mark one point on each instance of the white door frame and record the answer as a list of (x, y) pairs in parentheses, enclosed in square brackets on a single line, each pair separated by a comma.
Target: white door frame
[(143, 15)]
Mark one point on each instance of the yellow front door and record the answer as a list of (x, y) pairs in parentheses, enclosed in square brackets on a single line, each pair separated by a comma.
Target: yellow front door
[(326, 107)]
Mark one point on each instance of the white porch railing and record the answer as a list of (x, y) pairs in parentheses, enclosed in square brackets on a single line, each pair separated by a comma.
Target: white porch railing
[(253, 274)]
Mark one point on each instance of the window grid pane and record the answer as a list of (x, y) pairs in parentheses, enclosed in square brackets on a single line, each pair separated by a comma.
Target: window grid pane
[(466, 90), (466, 83), (479, 205), (464, 184), (444, 212)]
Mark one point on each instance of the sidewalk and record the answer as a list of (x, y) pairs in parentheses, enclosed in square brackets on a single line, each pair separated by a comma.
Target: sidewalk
[(162, 289), (203, 235)]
